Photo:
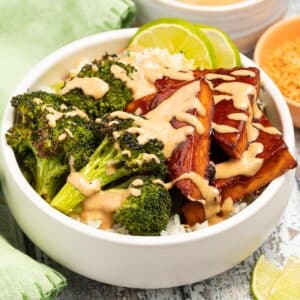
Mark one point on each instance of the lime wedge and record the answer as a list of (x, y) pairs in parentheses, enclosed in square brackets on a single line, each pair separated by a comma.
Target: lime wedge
[(226, 53), (176, 35), (270, 283), (288, 284), (263, 278)]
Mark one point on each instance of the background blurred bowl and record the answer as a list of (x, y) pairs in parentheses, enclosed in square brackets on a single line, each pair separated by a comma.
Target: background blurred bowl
[(244, 21), (279, 33), (135, 261)]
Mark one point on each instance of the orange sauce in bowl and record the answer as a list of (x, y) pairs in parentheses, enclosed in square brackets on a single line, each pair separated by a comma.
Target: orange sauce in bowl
[(210, 2)]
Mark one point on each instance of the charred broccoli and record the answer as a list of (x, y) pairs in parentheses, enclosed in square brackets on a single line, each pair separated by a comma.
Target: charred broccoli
[(117, 97), (120, 149), (148, 212), (45, 135)]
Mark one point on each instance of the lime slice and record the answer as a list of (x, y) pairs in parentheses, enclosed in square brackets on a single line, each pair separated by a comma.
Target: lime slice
[(270, 283), (176, 35), (288, 284), (226, 53), (263, 278)]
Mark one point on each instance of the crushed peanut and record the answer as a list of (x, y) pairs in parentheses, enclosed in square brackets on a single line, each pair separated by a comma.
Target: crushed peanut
[(283, 65)]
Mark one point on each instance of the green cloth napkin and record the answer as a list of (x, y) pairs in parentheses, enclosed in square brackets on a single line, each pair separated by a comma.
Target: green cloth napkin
[(23, 278), (30, 30)]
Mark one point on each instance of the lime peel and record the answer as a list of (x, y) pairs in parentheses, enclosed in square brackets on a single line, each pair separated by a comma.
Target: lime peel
[(225, 51), (177, 36), (271, 283)]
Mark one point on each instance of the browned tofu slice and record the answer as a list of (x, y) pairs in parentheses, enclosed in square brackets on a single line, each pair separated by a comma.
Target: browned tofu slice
[(233, 143), (277, 160), (193, 154)]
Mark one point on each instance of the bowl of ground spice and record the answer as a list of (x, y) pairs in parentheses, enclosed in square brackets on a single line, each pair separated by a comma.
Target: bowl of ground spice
[(278, 53)]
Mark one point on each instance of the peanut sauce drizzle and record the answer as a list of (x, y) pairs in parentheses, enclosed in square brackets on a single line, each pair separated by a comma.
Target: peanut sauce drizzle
[(91, 86)]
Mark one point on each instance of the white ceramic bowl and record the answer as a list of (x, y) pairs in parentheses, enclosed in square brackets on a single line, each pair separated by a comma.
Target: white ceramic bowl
[(140, 262), (244, 21)]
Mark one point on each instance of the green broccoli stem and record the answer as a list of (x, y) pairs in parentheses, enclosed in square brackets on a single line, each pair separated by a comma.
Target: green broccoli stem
[(49, 176), (69, 197)]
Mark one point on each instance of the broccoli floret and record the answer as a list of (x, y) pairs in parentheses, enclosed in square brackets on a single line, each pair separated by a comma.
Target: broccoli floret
[(117, 98), (121, 149), (148, 213), (28, 105), (42, 149)]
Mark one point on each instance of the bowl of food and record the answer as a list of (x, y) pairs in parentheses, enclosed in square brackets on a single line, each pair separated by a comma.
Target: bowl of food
[(243, 20), (107, 167), (277, 52)]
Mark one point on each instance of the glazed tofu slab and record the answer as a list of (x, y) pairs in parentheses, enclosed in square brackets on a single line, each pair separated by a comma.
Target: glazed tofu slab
[(252, 152)]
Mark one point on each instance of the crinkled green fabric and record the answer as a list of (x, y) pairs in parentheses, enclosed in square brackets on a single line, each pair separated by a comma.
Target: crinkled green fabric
[(23, 278), (30, 30)]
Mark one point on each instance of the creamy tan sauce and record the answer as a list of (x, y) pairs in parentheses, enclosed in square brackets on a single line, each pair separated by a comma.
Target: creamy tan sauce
[(192, 120), (147, 71), (102, 206), (165, 185), (157, 125), (238, 117), (213, 76), (227, 206), (137, 82), (252, 133), (117, 146), (110, 169), (134, 191), (208, 192), (77, 112), (148, 157), (91, 86), (126, 152), (53, 116), (37, 100), (85, 187), (138, 111), (223, 128), (257, 113), (211, 197), (240, 93), (62, 137), (137, 182), (248, 165), (243, 73), (69, 132), (114, 122), (63, 107), (269, 130), (95, 68), (225, 209), (116, 134)]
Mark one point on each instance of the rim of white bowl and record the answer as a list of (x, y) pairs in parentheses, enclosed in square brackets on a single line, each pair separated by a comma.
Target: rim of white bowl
[(11, 164), (209, 8)]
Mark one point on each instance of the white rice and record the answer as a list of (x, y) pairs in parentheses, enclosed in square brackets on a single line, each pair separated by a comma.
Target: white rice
[(153, 57), (174, 226), (94, 223)]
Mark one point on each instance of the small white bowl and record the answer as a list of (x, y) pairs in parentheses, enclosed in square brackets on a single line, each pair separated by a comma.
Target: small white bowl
[(132, 261), (244, 21)]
